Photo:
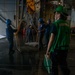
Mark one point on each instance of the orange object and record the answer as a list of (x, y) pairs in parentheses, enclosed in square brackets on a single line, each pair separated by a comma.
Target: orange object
[(30, 6)]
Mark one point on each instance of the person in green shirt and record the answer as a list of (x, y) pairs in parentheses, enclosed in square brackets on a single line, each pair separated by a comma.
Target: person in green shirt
[(58, 45)]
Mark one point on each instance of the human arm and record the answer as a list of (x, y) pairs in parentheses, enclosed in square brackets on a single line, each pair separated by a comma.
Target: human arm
[(50, 43), (53, 32)]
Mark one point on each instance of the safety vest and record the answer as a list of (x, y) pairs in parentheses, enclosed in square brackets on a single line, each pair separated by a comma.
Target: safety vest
[(62, 37)]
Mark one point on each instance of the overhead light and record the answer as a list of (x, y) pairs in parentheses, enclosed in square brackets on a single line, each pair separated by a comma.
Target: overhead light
[(59, 3)]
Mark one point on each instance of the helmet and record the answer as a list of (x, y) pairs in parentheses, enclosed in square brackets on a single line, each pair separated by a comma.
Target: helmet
[(61, 10), (41, 20), (8, 22)]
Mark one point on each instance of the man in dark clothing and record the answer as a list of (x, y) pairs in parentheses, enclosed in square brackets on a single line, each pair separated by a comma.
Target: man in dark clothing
[(10, 35), (47, 32), (41, 31)]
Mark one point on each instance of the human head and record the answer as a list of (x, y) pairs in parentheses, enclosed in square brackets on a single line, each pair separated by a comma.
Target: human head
[(40, 20), (48, 21), (8, 22), (60, 13), (23, 24)]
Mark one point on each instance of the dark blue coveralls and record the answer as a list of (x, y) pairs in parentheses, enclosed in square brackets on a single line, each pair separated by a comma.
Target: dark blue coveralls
[(47, 34), (41, 35), (9, 35)]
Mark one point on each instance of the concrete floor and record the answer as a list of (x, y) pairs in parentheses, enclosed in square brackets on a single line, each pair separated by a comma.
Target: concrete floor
[(12, 65), (18, 64)]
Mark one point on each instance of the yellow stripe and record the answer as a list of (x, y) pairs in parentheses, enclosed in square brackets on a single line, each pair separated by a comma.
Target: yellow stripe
[(64, 24)]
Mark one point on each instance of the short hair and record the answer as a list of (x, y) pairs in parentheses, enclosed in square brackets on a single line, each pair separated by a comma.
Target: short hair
[(63, 16)]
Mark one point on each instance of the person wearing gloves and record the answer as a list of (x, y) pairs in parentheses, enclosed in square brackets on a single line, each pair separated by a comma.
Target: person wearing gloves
[(10, 35), (59, 41)]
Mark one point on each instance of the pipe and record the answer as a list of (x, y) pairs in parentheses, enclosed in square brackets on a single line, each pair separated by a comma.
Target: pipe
[(3, 19)]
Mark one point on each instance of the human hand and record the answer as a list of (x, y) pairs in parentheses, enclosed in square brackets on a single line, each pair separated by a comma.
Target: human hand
[(48, 54)]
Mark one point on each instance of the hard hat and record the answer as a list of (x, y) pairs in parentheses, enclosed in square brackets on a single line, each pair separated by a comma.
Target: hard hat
[(61, 10), (41, 20), (8, 22)]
